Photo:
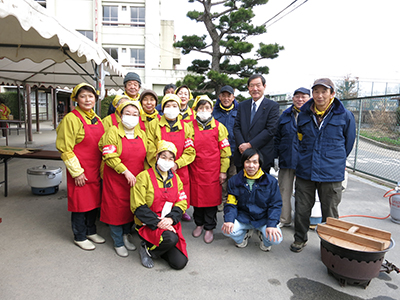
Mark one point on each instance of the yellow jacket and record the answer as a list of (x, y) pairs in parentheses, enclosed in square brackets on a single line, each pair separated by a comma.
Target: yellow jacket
[(113, 136), (70, 132), (154, 135), (189, 113), (107, 121), (225, 152), (147, 118), (143, 191), (4, 112)]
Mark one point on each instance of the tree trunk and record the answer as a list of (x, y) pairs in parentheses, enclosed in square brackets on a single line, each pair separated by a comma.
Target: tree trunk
[(216, 56)]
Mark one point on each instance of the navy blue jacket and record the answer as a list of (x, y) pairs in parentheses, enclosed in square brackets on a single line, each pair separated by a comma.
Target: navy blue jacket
[(323, 152), (286, 142), (262, 206), (228, 119), (260, 133)]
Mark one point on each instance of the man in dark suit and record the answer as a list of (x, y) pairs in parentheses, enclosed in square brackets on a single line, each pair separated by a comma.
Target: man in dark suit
[(256, 123)]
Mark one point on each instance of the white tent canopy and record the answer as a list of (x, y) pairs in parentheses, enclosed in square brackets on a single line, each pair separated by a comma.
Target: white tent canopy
[(37, 49)]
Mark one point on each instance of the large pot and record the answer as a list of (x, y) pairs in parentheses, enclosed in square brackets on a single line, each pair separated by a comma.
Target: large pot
[(44, 179), (352, 266)]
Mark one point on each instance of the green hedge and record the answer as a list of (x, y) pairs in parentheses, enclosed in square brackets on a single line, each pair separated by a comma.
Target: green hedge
[(11, 100)]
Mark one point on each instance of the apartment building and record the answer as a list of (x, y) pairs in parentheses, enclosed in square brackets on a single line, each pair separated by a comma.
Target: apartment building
[(132, 32)]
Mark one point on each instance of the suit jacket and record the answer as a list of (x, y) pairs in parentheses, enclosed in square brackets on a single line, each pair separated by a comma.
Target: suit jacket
[(260, 133)]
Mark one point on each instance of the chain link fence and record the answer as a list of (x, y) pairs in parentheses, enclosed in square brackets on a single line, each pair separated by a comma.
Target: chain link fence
[(376, 151)]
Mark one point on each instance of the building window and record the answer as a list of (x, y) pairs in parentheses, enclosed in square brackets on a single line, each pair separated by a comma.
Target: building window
[(113, 52), (137, 16), (87, 33), (137, 58), (110, 15)]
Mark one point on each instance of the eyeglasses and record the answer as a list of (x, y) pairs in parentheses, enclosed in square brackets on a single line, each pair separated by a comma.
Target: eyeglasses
[(258, 85)]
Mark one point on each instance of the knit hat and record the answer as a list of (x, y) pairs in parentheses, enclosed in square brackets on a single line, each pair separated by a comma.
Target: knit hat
[(132, 76), (148, 92), (170, 97), (121, 107), (166, 146)]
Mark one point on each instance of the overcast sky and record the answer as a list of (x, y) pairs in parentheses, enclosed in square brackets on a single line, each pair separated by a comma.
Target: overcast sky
[(322, 38)]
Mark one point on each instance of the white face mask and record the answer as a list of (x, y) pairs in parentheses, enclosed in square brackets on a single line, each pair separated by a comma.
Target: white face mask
[(129, 122), (171, 112), (165, 165), (204, 115)]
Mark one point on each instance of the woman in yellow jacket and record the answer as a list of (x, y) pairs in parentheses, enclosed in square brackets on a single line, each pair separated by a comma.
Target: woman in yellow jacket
[(148, 100), (171, 129), (186, 113), (77, 137), (4, 113), (158, 202), (208, 171), (124, 153), (113, 119)]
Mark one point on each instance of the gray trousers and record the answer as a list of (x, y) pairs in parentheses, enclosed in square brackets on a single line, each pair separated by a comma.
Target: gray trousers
[(285, 180), (330, 194)]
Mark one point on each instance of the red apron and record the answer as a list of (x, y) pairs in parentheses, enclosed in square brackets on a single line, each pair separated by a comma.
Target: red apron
[(114, 119), (87, 197), (178, 138), (162, 195), (205, 188), (115, 202)]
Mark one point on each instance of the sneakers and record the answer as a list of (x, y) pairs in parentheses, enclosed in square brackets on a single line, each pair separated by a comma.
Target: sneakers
[(297, 246), (186, 217), (145, 256), (248, 235), (262, 246), (85, 245), (128, 244), (95, 238), (121, 251), (284, 224)]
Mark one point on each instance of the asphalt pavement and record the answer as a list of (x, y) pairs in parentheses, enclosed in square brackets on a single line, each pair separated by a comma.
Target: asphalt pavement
[(38, 259)]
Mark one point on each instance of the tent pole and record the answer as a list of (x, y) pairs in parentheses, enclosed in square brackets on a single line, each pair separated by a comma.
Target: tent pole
[(29, 112), (37, 109), (54, 103)]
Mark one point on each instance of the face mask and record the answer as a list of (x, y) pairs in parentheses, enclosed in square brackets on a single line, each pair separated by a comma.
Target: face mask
[(165, 165), (203, 115), (130, 121), (171, 112)]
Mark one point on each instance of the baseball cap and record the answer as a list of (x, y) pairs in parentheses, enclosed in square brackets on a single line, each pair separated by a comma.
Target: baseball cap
[(326, 82), (302, 90), (227, 88)]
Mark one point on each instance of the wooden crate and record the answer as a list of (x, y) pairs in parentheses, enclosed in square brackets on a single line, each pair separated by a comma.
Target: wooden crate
[(353, 236)]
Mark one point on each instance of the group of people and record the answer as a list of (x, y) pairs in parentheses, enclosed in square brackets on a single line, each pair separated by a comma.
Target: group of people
[(146, 165)]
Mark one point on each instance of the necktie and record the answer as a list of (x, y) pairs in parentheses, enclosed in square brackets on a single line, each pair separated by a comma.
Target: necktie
[(253, 112)]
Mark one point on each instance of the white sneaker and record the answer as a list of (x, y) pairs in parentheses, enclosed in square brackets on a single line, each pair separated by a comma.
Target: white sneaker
[(262, 246), (95, 238), (121, 251), (284, 224), (127, 243), (85, 245), (248, 235)]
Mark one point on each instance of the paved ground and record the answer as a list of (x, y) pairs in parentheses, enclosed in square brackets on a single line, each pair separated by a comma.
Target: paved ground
[(38, 259)]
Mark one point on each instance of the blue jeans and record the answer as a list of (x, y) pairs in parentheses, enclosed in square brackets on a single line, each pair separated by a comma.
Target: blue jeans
[(117, 231), (240, 230)]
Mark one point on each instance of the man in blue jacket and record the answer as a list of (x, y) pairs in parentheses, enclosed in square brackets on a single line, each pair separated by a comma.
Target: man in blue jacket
[(225, 111), (326, 132), (254, 202), (286, 146)]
